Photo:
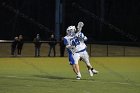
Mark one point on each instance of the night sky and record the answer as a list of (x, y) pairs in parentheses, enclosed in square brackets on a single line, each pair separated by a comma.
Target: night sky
[(105, 20)]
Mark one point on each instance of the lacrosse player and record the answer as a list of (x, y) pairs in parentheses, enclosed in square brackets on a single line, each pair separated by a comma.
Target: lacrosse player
[(76, 48), (69, 41)]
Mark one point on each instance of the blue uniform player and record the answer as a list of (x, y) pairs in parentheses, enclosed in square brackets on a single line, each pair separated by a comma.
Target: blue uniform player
[(71, 41), (77, 49)]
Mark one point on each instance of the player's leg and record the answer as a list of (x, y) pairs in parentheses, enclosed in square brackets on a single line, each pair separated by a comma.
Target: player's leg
[(85, 58), (38, 51), (76, 70), (74, 62), (49, 53)]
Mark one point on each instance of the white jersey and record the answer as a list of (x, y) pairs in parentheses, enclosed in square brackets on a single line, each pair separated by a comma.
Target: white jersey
[(70, 50), (75, 42), (76, 49), (68, 41)]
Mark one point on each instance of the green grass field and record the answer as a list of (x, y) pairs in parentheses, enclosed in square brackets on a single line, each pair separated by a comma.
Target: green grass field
[(54, 75)]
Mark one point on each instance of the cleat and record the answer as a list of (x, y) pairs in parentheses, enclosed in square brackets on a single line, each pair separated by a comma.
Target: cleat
[(94, 71), (90, 73), (78, 77)]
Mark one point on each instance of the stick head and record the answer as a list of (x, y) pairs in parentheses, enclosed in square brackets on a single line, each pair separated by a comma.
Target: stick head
[(80, 25)]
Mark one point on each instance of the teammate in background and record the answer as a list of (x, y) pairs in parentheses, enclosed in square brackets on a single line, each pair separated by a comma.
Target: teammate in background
[(20, 44), (69, 43), (83, 55), (52, 43), (14, 46), (37, 45)]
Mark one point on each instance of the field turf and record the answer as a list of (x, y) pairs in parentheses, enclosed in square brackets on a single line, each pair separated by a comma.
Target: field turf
[(54, 75)]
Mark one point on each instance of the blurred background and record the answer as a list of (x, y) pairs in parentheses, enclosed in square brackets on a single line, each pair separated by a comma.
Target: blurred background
[(29, 17), (106, 21)]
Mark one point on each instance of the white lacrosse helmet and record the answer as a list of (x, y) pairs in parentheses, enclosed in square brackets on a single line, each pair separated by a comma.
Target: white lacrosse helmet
[(71, 30)]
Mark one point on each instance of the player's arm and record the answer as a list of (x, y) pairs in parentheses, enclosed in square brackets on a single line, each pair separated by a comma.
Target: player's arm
[(68, 45), (85, 38), (71, 48), (81, 36)]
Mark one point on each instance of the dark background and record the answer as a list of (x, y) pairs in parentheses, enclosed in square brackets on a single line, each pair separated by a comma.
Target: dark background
[(120, 19)]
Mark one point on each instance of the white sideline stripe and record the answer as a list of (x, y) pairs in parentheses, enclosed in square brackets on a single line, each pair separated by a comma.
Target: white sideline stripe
[(11, 76), (19, 77), (121, 83)]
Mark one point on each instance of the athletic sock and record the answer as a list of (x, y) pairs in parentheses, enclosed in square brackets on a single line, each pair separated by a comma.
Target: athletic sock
[(91, 68), (79, 74)]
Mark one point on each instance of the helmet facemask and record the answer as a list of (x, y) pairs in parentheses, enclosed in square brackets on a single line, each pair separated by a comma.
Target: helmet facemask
[(71, 30)]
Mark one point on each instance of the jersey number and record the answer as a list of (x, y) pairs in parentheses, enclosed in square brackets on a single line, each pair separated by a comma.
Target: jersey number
[(75, 42)]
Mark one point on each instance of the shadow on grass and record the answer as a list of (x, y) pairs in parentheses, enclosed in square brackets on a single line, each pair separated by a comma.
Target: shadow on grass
[(40, 78), (62, 78), (52, 77)]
